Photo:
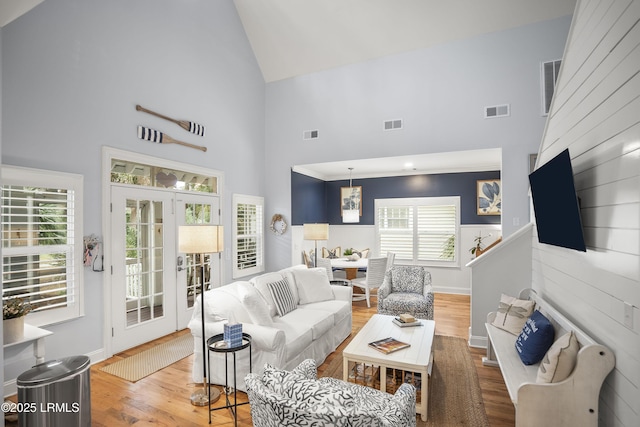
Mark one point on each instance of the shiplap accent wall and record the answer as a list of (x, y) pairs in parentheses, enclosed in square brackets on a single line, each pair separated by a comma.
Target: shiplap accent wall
[(596, 114)]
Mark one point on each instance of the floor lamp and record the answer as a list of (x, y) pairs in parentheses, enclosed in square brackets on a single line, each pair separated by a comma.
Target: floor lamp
[(315, 232), (201, 239)]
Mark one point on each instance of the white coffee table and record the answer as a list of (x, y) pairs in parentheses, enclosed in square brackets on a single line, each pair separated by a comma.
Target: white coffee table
[(418, 358)]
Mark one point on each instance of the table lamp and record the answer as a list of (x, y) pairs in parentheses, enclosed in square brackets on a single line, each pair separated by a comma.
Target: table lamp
[(315, 232), (201, 239)]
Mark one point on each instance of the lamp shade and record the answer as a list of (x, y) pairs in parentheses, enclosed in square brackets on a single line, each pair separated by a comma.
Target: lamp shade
[(200, 239), (351, 215), (315, 231)]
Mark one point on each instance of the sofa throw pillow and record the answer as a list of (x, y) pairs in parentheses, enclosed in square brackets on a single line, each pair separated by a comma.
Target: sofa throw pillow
[(535, 338), (254, 303), (260, 283), (282, 296), (313, 285), (560, 360), (512, 313)]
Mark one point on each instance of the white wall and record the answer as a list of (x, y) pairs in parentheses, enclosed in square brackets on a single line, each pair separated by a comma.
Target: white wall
[(72, 73), (440, 93), (595, 115), (453, 280)]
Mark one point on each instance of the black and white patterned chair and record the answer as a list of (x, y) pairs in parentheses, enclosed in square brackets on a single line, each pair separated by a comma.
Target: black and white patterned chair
[(299, 398), (406, 289)]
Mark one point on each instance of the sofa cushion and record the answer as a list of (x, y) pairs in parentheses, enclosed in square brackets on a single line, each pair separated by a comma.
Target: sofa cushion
[(313, 285), (260, 283), (282, 296), (254, 303), (224, 302), (318, 321), (560, 360), (512, 313), (339, 308), (535, 338)]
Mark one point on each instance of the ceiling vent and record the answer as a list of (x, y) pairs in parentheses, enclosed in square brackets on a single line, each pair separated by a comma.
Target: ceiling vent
[(310, 134), (497, 111), (393, 124)]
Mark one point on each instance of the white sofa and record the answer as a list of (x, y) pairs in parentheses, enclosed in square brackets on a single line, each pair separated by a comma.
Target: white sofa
[(319, 322)]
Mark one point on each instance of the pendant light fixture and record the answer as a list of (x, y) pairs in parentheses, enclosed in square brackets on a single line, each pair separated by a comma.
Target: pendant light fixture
[(351, 213)]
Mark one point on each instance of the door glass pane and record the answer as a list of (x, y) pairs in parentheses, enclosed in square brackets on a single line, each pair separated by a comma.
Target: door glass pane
[(196, 213), (144, 261)]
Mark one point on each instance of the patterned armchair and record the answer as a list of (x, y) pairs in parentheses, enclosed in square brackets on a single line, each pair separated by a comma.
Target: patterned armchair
[(283, 398), (406, 289)]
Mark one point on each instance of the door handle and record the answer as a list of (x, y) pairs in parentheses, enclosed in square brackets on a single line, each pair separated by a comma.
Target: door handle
[(180, 262)]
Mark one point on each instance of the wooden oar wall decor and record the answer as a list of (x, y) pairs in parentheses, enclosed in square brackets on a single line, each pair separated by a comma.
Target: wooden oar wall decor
[(156, 136), (192, 127)]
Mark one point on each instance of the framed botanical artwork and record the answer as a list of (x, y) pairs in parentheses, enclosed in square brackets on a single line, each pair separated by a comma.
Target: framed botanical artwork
[(351, 199), (489, 196)]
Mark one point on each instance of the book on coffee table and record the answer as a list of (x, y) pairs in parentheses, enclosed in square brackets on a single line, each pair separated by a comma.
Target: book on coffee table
[(399, 322), (388, 345)]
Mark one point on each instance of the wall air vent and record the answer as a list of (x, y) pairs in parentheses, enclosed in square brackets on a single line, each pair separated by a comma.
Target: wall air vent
[(310, 134), (497, 111), (392, 124)]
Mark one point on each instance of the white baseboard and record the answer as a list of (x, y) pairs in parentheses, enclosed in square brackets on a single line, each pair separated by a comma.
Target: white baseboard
[(451, 290), (477, 341)]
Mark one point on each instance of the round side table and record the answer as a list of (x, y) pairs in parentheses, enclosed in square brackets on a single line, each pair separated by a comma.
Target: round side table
[(216, 344)]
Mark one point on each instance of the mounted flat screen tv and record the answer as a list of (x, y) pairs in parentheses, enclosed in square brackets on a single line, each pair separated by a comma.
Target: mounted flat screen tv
[(556, 204)]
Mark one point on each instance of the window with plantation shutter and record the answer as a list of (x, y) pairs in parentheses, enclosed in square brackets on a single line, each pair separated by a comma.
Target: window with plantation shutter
[(42, 242), (420, 231), (248, 230)]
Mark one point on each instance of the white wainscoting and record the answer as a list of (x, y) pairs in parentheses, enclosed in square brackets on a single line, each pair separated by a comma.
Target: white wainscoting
[(454, 280)]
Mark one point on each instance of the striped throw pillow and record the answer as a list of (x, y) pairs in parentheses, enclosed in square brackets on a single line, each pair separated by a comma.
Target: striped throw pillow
[(282, 296)]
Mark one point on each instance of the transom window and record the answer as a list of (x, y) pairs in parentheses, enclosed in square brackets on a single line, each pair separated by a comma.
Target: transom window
[(127, 172)]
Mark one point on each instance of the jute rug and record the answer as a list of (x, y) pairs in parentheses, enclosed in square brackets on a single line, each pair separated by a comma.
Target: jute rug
[(145, 363), (455, 398)]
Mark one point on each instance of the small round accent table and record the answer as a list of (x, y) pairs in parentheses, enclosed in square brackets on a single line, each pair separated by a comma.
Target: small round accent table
[(216, 344)]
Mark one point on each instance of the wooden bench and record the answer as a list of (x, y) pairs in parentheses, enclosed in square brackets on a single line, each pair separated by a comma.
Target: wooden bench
[(572, 402)]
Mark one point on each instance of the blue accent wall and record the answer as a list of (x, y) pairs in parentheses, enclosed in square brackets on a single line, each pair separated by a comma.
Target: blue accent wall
[(314, 200)]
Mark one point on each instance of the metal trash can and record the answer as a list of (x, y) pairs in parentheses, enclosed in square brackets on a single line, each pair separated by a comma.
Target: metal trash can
[(55, 393)]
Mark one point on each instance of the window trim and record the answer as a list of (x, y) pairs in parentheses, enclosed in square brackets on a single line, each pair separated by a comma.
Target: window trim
[(22, 176), (416, 202), (260, 267)]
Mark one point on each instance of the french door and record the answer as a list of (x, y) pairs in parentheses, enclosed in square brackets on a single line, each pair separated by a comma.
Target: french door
[(154, 287)]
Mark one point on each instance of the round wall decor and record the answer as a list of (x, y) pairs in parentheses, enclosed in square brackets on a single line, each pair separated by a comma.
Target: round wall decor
[(278, 224)]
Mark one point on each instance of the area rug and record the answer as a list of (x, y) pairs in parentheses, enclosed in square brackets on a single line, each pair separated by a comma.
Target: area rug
[(145, 363), (455, 398)]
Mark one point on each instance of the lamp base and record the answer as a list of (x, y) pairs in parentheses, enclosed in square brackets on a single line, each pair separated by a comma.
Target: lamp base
[(201, 397)]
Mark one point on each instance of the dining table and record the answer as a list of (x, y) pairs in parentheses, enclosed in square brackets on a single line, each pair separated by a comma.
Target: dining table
[(350, 267)]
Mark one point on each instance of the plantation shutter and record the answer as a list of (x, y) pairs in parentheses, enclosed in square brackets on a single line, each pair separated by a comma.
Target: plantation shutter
[(395, 231), (436, 225), (421, 231), (40, 247), (249, 235)]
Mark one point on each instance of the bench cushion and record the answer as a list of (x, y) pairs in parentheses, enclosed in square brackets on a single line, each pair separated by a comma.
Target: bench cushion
[(535, 338), (512, 313), (560, 360)]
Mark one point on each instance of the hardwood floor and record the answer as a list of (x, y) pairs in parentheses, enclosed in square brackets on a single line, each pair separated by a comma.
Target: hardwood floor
[(162, 399)]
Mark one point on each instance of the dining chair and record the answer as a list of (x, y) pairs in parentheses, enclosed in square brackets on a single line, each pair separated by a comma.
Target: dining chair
[(376, 268), (326, 264), (391, 257), (307, 259)]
